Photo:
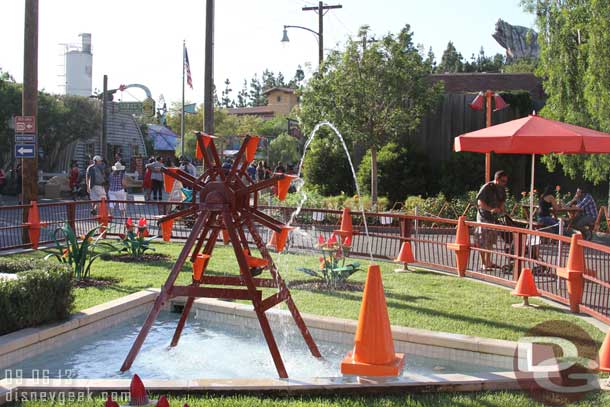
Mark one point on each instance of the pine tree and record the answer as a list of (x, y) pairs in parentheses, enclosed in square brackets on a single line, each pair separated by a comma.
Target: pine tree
[(256, 92), (451, 61), (242, 96), (226, 98)]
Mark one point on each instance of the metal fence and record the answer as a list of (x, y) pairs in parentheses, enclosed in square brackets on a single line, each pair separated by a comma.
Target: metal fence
[(510, 249)]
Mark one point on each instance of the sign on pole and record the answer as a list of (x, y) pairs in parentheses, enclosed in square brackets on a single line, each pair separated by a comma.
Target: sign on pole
[(25, 150), (25, 138), (25, 124)]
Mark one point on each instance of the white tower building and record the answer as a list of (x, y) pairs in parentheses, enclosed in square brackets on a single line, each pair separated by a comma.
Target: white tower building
[(79, 68)]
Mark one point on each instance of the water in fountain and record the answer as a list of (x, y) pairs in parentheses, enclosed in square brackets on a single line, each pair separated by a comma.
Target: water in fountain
[(349, 159)]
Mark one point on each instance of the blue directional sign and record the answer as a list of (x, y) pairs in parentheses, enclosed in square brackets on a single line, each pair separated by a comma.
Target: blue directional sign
[(25, 150), (25, 139)]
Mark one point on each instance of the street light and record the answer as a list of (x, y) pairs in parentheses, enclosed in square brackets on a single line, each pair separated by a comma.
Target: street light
[(318, 37)]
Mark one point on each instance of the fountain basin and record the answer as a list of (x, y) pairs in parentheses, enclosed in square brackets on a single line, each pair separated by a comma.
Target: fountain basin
[(454, 362)]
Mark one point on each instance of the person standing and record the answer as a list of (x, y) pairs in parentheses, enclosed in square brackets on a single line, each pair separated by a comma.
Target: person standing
[(116, 190), (74, 178), (490, 204), (252, 170), (96, 181), (188, 167), (147, 181), (260, 171), (157, 178)]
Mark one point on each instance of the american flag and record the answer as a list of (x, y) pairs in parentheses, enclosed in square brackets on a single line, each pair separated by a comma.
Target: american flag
[(187, 67)]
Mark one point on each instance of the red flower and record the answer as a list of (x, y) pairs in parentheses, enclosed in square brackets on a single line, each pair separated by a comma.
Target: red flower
[(332, 239), (129, 224), (142, 223), (347, 241), (558, 188), (321, 240)]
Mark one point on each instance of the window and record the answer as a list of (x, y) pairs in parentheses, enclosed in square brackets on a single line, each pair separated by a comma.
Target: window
[(279, 98)]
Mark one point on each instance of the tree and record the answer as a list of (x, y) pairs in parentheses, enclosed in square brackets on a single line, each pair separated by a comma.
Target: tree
[(451, 61), (226, 100), (575, 64), (256, 92), (373, 95), (285, 149), (299, 76), (242, 96)]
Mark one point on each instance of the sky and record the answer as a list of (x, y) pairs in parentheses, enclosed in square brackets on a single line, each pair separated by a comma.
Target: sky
[(140, 41)]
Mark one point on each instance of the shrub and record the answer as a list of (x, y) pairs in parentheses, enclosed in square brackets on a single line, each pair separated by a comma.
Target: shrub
[(13, 266), (38, 296)]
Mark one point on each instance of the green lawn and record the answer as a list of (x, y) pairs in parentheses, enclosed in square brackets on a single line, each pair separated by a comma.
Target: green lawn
[(487, 399), (421, 299)]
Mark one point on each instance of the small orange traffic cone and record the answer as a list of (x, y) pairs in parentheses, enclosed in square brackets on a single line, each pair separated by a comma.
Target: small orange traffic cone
[(34, 225), (103, 218), (251, 148), (199, 265), (373, 353), (278, 240), (166, 229), (168, 180), (405, 257), (346, 224), (283, 185), (604, 355), (225, 237), (526, 287)]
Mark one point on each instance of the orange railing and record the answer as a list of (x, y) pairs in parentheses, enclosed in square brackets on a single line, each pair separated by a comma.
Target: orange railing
[(432, 240)]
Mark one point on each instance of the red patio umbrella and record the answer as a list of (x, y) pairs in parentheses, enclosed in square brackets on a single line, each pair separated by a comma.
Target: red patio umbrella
[(534, 135)]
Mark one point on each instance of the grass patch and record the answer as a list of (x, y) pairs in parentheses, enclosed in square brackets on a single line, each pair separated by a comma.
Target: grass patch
[(420, 299), (483, 399)]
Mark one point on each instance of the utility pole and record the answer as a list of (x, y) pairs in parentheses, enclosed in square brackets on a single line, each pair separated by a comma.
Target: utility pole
[(320, 10), (208, 97), (29, 101)]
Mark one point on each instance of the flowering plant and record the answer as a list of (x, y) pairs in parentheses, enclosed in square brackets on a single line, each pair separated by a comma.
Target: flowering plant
[(78, 252), (135, 240), (333, 269)]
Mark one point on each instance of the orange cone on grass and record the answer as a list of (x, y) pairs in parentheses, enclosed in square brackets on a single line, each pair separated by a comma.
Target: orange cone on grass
[(526, 287), (166, 229), (405, 257), (199, 265), (278, 240), (373, 353), (604, 355), (251, 148), (34, 225), (283, 185)]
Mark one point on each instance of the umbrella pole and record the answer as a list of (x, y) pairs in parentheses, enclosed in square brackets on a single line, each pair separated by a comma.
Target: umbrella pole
[(531, 220)]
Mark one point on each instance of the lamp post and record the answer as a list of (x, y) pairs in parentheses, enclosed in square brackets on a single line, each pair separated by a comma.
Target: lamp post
[(318, 37), (477, 104), (319, 9)]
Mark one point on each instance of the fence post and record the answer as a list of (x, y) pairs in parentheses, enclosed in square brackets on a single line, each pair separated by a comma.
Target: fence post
[(573, 273), (71, 213), (406, 226)]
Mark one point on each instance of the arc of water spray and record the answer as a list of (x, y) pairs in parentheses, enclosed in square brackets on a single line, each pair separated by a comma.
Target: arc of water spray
[(349, 158)]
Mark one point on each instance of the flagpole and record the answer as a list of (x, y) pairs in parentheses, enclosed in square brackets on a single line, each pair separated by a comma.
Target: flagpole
[(182, 111)]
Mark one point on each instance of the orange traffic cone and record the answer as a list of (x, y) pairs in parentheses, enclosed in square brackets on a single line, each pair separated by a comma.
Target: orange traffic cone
[(225, 237), (346, 224), (199, 265), (283, 185), (168, 180), (278, 240), (103, 218), (162, 402), (373, 353), (461, 247), (166, 229), (526, 287), (251, 148), (573, 272), (604, 355), (34, 225), (405, 257)]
